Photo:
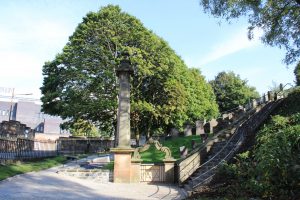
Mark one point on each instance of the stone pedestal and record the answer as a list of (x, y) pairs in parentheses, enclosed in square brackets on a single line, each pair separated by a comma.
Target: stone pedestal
[(169, 170), (135, 172), (122, 165)]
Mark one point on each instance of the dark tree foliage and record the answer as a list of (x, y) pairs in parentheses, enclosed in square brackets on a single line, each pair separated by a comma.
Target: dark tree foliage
[(279, 19), (297, 74), (231, 91), (81, 83)]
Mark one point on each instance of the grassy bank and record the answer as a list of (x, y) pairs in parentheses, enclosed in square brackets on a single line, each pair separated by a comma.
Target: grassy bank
[(29, 166), (153, 155)]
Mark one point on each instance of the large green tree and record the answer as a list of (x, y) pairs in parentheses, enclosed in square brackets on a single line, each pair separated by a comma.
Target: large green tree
[(232, 91), (279, 19), (297, 74), (81, 82)]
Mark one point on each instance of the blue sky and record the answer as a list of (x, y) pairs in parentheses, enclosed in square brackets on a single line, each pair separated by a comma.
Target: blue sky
[(34, 31)]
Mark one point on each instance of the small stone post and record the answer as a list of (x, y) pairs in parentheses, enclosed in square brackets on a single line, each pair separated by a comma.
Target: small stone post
[(169, 170), (122, 153)]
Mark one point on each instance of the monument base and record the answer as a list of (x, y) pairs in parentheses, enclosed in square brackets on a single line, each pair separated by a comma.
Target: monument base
[(122, 164)]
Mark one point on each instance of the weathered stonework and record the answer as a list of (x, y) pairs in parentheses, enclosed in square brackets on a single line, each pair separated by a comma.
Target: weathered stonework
[(122, 154), (15, 129)]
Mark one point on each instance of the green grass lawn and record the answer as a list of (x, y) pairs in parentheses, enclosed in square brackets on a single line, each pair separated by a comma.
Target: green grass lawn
[(109, 166), (29, 166), (153, 155)]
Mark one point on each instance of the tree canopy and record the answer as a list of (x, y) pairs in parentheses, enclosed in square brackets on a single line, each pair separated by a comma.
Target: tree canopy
[(279, 19), (297, 74), (231, 91), (81, 82)]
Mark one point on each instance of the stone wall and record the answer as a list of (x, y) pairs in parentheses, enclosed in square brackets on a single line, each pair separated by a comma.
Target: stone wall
[(15, 129), (68, 145)]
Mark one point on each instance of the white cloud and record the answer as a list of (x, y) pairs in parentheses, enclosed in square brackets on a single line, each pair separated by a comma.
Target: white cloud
[(236, 43)]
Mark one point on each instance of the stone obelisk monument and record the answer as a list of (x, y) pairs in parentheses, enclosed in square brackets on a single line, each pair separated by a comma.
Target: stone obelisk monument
[(122, 153)]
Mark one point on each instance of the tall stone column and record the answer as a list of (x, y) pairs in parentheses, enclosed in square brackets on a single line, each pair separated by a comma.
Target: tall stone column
[(123, 119), (122, 153)]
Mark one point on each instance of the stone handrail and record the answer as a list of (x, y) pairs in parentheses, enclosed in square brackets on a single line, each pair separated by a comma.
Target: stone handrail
[(188, 165), (242, 132)]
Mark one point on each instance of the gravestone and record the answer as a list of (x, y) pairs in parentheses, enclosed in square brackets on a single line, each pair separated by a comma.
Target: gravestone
[(213, 125), (174, 132), (200, 127), (188, 129), (183, 151), (254, 103)]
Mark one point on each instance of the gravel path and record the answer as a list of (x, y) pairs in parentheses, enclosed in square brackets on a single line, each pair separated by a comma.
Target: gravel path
[(47, 184)]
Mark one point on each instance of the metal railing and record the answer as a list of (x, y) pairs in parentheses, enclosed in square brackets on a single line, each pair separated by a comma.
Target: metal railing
[(242, 131)]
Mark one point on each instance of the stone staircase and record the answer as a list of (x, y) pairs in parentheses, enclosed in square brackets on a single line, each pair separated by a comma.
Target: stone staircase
[(226, 145)]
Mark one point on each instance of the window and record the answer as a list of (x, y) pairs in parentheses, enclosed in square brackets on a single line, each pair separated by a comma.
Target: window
[(4, 112)]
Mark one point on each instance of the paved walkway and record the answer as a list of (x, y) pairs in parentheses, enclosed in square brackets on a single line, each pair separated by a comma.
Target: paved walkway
[(48, 184)]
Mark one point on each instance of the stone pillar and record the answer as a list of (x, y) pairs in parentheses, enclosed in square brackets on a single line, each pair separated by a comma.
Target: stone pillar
[(135, 172), (200, 127), (270, 96), (123, 118), (169, 170), (122, 153)]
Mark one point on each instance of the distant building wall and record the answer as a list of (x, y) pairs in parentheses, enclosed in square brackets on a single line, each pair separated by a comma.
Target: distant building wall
[(4, 111), (29, 113)]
